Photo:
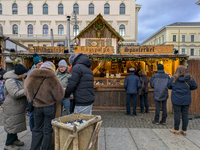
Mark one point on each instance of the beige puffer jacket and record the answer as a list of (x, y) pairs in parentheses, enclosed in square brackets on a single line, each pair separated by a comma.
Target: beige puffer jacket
[(14, 104)]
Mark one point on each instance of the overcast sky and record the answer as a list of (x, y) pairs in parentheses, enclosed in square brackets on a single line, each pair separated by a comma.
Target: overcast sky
[(155, 14)]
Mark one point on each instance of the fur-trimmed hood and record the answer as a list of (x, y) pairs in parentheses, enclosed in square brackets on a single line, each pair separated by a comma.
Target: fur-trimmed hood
[(42, 73), (50, 90)]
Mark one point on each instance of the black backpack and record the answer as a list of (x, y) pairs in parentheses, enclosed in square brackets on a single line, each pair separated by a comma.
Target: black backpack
[(141, 90)]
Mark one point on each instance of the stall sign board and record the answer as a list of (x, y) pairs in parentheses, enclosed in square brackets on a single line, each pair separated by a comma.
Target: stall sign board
[(94, 50), (38, 49), (166, 49)]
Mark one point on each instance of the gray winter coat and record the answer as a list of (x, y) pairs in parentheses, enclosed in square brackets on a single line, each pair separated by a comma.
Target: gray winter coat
[(63, 78), (14, 104), (159, 83)]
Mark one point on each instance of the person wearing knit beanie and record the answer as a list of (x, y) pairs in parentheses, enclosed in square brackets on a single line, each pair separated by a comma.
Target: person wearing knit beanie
[(48, 65), (160, 67), (72, 57), (20, 69), (37, 60), (63, 76)]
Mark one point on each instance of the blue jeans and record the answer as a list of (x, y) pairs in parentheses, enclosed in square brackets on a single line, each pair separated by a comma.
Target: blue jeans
[(66, 104), (128, 107), (31, 121), (42, 127), (178, 110), (144, 100), (164, 111)]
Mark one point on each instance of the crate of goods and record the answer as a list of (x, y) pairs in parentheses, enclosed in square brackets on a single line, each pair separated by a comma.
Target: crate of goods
[(77, 132)]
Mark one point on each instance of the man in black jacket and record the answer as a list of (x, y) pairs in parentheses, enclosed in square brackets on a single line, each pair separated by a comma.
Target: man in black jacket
[(81, 83), (159, 83)]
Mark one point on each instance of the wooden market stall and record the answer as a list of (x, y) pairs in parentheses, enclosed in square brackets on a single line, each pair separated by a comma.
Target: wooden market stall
[(103, 45)]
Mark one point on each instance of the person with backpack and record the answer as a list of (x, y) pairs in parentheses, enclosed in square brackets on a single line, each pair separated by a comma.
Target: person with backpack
[(181, 84), (131, 84), (159, 83), (63, 76), (143, 91), (43, 87), (14, 106)]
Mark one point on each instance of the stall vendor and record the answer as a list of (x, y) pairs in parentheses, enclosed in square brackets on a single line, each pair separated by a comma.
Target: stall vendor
[(103, 74)]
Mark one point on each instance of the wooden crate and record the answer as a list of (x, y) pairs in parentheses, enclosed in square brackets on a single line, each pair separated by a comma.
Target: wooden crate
[(81, 137)]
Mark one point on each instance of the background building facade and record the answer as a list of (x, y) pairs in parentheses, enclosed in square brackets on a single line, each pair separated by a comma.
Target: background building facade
[(30, 21), (185, 36)]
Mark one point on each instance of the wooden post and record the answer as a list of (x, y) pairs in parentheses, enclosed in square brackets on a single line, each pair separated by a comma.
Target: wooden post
[(94, 136), (75, 141), (57, 144), (169, 103), (68, 141)]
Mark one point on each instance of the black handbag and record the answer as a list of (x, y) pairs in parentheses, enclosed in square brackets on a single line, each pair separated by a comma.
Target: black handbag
[(30, 106)]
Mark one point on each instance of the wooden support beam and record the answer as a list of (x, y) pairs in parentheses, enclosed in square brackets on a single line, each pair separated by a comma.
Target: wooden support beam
[(94, 136), (68, 142)]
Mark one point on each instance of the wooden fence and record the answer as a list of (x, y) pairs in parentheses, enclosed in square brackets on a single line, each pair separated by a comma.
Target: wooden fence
[(194, 70)]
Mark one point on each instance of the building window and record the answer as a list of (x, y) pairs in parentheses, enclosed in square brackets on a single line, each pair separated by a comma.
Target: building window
[(122, 30), (192, 52), (45, 30), (1, 28), (30, 9), (30, 45), (192, 38), (163, 39), (45, 45), (122, 9), (0, 9), (183, 51), (60, 29), (45, 9), (30, 30), (159, 40), (76, 30), (106, 9), (183, 38), (76, 8), (174, 38), (14, 8), (15, 29), (91, 9), (60, 9)]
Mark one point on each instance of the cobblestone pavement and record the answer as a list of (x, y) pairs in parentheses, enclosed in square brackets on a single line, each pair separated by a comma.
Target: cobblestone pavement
[(118, 119)]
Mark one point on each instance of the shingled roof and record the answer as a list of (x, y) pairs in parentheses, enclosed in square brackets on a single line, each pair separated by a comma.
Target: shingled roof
[(185, 24), (106, 23)]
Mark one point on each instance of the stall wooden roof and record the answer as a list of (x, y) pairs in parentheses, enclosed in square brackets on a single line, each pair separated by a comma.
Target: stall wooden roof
[(63, 55), (100, 17)]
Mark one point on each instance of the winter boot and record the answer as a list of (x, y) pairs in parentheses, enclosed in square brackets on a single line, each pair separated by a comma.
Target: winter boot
[(11, 147), (183, 132), (19, 143), (174, 131)]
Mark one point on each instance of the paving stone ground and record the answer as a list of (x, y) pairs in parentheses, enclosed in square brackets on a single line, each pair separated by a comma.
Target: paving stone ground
[(121, 132)]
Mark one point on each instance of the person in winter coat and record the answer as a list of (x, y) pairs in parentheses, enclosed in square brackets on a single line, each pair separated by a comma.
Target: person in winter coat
[(2, 72), (144, 93), (81, 83), (38, 61), (159, 83), (14, 106), (131, 84), (44, 85), (63, 76), (181, 84)]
